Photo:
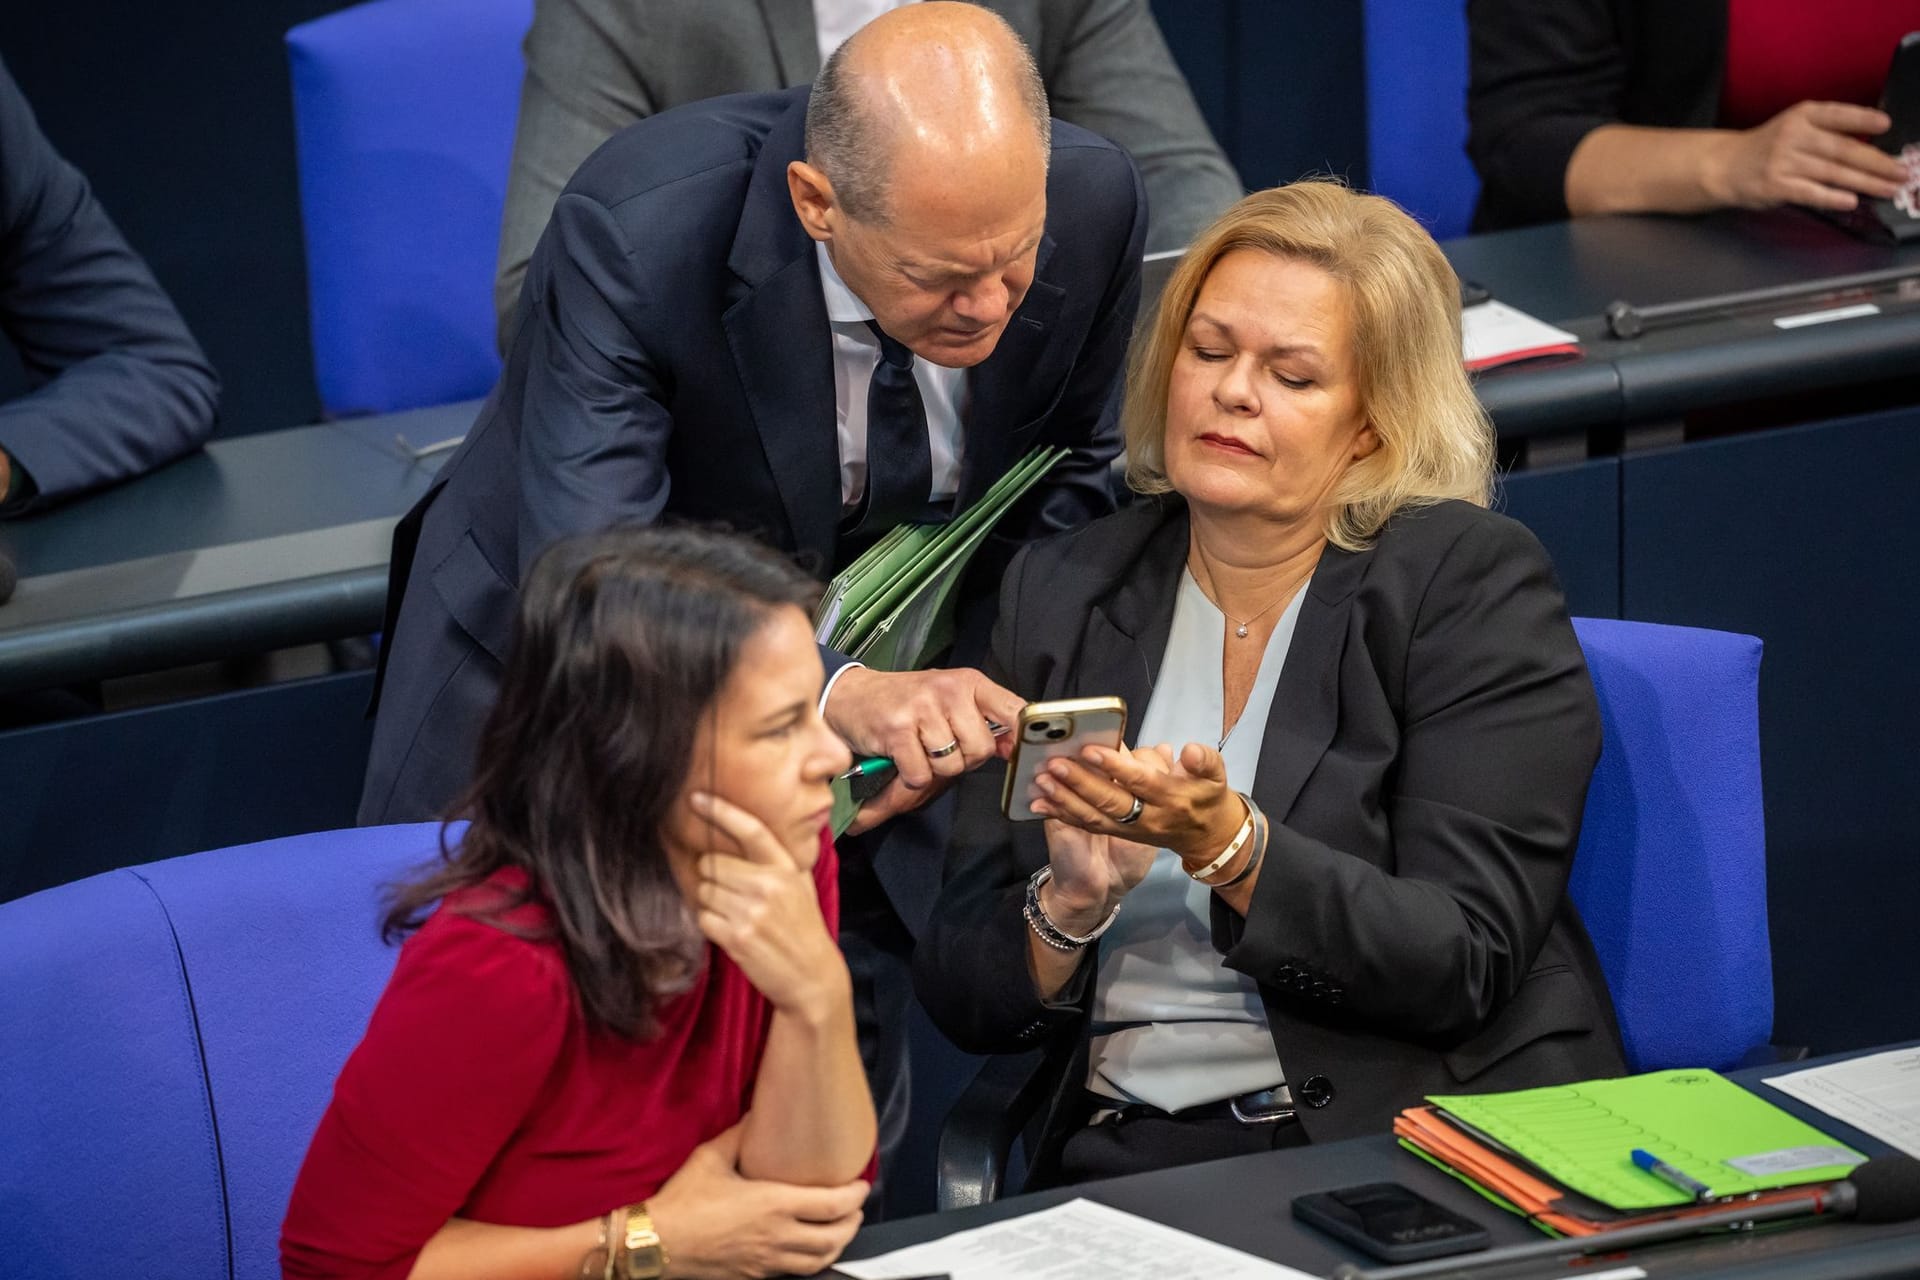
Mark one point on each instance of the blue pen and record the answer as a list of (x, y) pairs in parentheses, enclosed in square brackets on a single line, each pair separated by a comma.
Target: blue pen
[(1671, 1176)]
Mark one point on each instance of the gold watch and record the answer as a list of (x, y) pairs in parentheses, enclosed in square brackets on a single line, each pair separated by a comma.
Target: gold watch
[(642, 1256)]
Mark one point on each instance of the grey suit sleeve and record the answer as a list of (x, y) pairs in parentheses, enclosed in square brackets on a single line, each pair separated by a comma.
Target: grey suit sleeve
[(1499, 737), (119, 385), (581, 88), (1109, 70)]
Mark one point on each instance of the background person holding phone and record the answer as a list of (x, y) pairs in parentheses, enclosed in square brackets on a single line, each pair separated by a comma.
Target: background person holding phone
[(622, 1044), (1331, 874), (1580, 107)]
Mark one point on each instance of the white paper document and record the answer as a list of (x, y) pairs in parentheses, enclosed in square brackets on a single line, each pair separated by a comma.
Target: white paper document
[(1079, 1240), (1491, 332), (1877, 1094)]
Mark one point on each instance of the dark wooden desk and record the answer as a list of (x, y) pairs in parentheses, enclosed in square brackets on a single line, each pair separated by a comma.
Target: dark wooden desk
[(1245, 1203), (1567, 273), (259, 542)]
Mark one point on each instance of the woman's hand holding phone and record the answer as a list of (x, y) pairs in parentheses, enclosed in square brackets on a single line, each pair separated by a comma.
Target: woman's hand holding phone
[(1185, 803), (1092, 870)]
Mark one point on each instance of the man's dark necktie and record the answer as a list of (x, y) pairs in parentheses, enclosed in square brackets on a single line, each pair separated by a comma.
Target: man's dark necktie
[(899, 459)]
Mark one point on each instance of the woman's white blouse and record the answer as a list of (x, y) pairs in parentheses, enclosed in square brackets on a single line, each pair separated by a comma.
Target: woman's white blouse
[(1172, 1026)]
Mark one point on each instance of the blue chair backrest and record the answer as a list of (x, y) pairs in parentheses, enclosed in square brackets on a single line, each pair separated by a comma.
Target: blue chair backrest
[(404, 115), (172, 1036), (1671, 875), (1416, 59)]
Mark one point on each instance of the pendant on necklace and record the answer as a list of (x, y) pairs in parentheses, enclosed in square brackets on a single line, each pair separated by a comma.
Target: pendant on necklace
[(1241, 631)]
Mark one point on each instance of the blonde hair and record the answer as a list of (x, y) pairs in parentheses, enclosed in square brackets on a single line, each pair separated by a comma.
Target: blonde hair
[(1436, 442)]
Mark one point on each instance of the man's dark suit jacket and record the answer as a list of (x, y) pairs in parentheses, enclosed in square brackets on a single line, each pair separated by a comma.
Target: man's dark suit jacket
[(119, 385), (673, 359), (1425, 766), (1544, 75)]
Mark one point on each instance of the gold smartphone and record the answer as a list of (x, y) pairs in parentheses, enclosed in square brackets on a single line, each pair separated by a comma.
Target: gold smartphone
[(1058, 728)]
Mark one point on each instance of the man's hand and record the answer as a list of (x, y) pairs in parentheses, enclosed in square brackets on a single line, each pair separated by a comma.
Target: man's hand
[(1810, 154), (933, 725), (717, 1225)]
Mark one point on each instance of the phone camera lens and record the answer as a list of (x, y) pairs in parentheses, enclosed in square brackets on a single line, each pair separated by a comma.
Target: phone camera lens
[(1055, 732)]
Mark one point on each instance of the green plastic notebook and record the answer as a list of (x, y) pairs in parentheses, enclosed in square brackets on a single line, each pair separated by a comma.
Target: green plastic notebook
[(1583, 1136)]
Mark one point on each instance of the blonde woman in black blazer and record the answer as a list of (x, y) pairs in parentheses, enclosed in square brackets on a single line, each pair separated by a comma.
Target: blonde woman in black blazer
[(1389, 888)]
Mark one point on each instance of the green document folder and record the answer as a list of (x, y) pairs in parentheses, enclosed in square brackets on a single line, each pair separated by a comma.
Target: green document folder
[(903, 586), (1583, 1136), (893, 607)]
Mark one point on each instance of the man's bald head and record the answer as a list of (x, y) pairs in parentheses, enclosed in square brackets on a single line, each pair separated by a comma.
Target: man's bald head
[(939, 90)]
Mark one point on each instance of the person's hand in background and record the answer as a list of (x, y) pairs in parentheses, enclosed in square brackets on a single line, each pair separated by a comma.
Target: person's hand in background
[(1810, 154)]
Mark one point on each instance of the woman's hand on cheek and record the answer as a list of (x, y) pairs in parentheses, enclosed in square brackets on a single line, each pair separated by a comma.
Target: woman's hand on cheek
[(758, 905)]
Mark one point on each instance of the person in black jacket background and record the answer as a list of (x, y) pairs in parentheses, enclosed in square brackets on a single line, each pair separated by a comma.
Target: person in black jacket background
[(1347, 888), (119, 385), (1578, 107)]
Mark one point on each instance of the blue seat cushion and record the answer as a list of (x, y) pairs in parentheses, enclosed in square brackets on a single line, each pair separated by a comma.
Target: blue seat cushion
[(1671, 873), (107, 1146), (281, 943), (404, 115)]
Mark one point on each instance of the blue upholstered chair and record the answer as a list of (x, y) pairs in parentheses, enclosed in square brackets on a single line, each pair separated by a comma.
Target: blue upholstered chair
[(172, 1033), (1670, 877), (1416, 60), (404, 114)]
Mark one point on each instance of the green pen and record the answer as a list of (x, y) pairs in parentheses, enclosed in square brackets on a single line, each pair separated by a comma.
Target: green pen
[(877, 764), (866, 768)]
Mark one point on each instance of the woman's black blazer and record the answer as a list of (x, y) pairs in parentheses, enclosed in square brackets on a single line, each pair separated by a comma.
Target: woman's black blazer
[(1545, 73), (1425, 762)]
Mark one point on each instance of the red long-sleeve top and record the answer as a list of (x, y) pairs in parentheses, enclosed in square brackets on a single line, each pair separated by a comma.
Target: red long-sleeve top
[(1780, 52), (479, 1092)]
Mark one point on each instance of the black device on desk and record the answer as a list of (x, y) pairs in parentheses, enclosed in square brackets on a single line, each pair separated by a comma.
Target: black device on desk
[(1388, 1221), (1899, 218)]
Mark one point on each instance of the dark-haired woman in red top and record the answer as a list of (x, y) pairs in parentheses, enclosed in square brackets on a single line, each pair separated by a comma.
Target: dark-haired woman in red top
[(622, 1044)]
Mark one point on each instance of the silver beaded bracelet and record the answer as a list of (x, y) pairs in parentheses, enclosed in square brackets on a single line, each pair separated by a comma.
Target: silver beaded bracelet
[(1043, 926)]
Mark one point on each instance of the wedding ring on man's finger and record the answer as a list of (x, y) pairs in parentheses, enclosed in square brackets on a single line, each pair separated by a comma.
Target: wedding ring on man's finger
[(939, 753), (1133, 814)]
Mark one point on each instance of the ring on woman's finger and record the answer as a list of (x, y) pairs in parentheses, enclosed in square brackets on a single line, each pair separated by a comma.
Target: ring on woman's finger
[(1132, 815), (941, 752)]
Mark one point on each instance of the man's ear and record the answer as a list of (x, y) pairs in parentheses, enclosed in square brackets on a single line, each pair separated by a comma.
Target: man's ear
[(812, 197)]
